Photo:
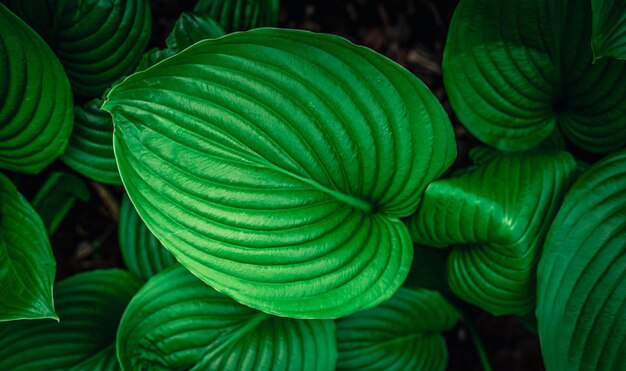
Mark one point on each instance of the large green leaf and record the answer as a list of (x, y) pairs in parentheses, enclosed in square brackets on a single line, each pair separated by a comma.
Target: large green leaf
[(35, 99), (402, 333), (609, 28), (142, 253), (581, 291), (515, 70), (191, 28), (275, 165), (241, 15), (97, 41), (495, 217), (27, 266), (177, 322), (90, 306)]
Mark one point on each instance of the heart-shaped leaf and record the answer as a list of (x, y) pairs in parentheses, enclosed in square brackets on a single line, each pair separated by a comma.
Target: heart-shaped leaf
[(240, 15), (90, 306), (403, 333), (177, 322), (515, 70), (581, 289), (142, 253), (35, 99), (609, 28), (191, 28), (275, 165), (27, 266), (495, 217)]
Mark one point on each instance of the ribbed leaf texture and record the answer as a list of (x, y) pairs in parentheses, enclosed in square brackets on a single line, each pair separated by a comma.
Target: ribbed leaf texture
[(90, 306), (581, 291), (402, 333), (191, 28), (90, 151), (177, 322), (142, 253), (275, 165), (35, 99), (27, 266), (495, 217), (515, 70), (609, 28), (97, 41), (241, 15)]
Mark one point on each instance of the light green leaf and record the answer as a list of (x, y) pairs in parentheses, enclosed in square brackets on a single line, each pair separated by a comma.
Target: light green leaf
[(609, 28), (275, 165), (241, 15), (177, 322), (581, 291), (191, 28), (142, 253), (97, 41), (27, 266), (495, 217), (402, 333), (516, 70), (57, 196), (91, 145), (90, 306), (35, 99)]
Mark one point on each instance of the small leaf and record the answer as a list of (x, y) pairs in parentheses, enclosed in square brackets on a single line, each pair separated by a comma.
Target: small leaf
[(142, 253), (191, 28), (177, 322), (90, 306), (608, 37), (35, 99), (581, 292), (276, 165), (27, 266), (402, 333), (495, 217), (241, 15)]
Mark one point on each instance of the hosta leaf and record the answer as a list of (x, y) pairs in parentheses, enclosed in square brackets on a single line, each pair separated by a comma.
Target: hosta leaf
[(191, 28), (581, 291), (177, 322), (90, 151), (152, 57), (609, 28), (97, 41), (27, 266), (495, 217), (142, 253), (56, 197), (35, 99), (240, 15), (515, 70), (90, 306), (402, 333), (275, 165)]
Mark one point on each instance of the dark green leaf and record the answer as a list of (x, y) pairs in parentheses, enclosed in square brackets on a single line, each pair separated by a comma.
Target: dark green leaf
[(191, 28), (240, 15), (152, 57), (609, 28), (581, 291), (177, 322), (275, 165)]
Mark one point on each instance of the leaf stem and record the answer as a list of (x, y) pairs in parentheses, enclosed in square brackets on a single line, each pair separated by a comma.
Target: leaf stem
[(478, 344)]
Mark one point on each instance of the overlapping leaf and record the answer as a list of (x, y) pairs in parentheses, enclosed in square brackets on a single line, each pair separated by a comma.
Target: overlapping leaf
[(581, 293), (27, 266), (177, 322), (90, 306), (403, 333), (495, 217), (191, 28), (515, 70), (275, 165), (241, 15), (609, 28), (35, 99)]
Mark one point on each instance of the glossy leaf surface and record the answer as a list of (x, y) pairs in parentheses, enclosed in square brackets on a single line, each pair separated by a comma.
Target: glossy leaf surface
[(516, 70), (495, 217), (27, 266), (241, 15), (609, 28), (403, 333), (142, 253), (275, 165), (191, 28), (581, 293), (90, 306), (35, 99), (178, 322)]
